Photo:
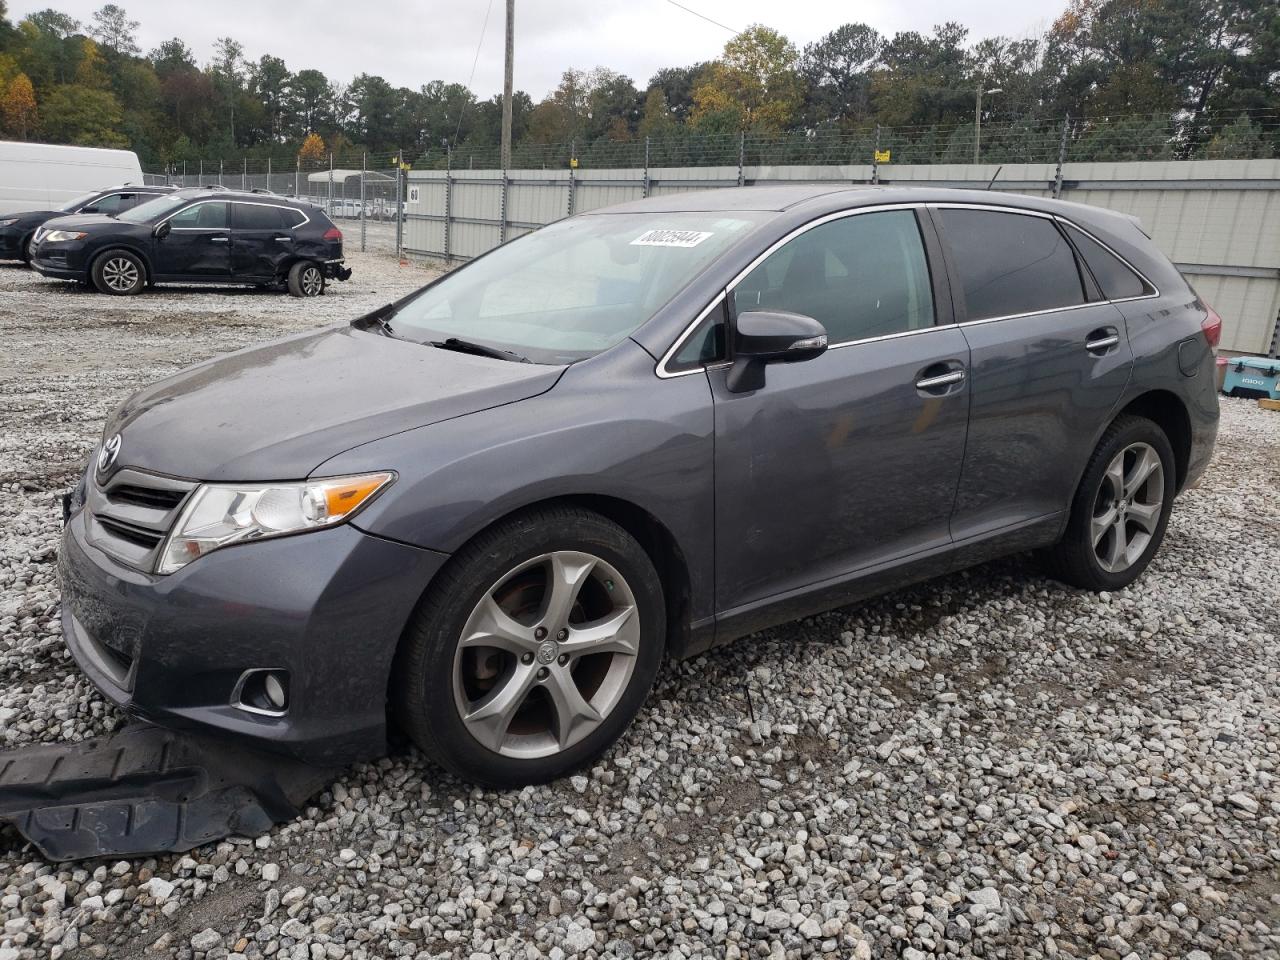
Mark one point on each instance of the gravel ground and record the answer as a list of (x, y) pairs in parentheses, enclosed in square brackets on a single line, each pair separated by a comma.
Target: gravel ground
[(987, 765)]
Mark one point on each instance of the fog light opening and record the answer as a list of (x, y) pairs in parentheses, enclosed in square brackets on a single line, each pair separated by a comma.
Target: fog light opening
[(262, 691)]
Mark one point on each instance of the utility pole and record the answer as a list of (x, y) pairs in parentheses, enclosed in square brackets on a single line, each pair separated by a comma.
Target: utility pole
[(977, 121), (506, 84)]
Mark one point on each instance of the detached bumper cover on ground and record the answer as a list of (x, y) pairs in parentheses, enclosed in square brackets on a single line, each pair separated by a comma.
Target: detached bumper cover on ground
[(145, 789)]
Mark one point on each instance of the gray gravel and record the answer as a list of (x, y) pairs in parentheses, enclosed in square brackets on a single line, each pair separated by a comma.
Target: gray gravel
[(987, 765)]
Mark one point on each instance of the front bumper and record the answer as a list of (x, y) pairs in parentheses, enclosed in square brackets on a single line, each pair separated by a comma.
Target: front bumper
[(59, 261), (11, 243), (328, 608)]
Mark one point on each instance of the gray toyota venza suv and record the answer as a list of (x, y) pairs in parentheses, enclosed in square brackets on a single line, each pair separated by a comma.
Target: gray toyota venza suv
[(488, 511)]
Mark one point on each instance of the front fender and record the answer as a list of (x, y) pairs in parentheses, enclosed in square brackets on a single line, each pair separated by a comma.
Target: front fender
[(609, 428)]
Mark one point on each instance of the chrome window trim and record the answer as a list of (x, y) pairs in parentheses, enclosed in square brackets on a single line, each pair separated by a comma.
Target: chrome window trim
[(665, 374), (275, 206)]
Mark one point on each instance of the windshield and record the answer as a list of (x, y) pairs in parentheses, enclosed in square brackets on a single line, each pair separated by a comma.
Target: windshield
[(572, 289), (71, 206), (153, 209)]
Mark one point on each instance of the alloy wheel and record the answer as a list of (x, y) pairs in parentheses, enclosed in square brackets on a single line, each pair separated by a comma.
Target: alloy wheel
[(120, 274), (546, 655), (1127, 510), (312, 282)]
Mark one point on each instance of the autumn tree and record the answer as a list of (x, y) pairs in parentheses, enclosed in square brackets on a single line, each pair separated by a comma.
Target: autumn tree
[(19, 106), (313, 149), (754, 83)]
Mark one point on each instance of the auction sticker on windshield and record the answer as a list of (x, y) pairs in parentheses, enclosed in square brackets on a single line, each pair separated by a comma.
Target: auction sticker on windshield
[(670, 238)]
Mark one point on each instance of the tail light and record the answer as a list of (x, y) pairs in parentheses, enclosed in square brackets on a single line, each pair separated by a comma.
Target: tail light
[(1212, 326), (333, 233)]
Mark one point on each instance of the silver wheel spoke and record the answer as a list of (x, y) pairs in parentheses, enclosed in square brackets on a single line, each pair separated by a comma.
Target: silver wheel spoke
[(1115, 473), (1145, 515), (491, 626), (1102, 524), (1119, 544), (568, 572), (1144, 466), (617, 633), (575, 718), (491, 718)]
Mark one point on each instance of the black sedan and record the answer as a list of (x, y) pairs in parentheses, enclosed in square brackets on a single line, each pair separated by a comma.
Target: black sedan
[(196, 236), (18, 229)]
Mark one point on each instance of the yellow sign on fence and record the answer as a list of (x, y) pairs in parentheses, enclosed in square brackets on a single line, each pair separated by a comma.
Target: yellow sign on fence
[(883, 156)]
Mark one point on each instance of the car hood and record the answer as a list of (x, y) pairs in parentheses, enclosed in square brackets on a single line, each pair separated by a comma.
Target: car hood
[(31, 216), (277, 411), (86, 222)]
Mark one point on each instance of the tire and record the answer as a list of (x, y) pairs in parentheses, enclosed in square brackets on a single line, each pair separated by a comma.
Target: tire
[(1118, 520), (306, 279), (24, 252), (119, 273), (450, 697)]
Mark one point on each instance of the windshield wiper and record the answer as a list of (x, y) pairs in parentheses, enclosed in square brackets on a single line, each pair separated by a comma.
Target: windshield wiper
[(479, 349)]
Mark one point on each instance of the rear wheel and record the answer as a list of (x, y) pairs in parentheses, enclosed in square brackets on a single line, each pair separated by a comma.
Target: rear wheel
[(1120, 512), (306, 279), (119, 273), (534, 650)]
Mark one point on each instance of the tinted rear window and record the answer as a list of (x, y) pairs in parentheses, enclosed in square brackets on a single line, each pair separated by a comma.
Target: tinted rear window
[(255, 216), (1116, 280), (1010, 263)]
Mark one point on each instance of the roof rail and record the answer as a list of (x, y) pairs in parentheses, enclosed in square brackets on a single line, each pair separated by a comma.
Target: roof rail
[(264, 190), (212, 186)]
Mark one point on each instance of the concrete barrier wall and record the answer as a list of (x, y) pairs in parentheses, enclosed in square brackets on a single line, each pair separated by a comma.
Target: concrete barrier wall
[(1218, 220)]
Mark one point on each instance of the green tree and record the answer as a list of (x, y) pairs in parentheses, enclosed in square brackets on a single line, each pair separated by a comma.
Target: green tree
[(837, 74), (755, 81), (75, 114), (270, 84), (113, 29), (657, 119)]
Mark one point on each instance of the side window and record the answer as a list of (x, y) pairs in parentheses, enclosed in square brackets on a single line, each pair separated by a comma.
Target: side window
[(1010, 263), (705, 345), (861, 276), (255, 216), (291, 218), (108, 205), (1116, 280), (130, 200), (206, 215)]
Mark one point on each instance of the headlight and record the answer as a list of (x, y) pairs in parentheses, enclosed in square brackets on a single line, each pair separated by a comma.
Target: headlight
[(220, 515), (8, 223), (63, 236)]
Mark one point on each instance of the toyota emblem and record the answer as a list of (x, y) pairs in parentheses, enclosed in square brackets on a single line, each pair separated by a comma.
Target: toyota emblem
[(108, 454)]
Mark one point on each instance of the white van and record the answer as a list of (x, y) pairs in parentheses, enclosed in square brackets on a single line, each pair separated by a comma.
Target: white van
[(42, 176)]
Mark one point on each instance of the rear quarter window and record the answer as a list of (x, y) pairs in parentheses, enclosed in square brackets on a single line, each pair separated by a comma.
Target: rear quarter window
[(1011, 263), (1114, 278)]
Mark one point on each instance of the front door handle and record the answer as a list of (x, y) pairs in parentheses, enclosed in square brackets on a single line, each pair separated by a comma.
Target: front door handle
[(941, 380), (283, 239), (219, 239), (1100, 341)]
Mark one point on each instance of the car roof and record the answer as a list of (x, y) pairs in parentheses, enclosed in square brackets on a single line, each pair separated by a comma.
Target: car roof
[(823, 197), (222, 193)]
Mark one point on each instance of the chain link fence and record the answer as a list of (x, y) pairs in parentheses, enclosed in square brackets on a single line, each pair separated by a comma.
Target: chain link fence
[(363, 189)]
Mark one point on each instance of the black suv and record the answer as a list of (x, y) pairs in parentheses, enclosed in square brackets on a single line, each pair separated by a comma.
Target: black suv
[(18, 229), (196, 236)]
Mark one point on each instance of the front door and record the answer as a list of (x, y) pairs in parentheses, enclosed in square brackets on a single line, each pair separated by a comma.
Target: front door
[(198, 245), (849, 460), (1050, 361)]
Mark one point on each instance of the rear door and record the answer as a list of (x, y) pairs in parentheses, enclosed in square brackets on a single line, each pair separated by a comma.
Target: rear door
[(849, 460), (198, 244), (1048, 365), (261, 242)]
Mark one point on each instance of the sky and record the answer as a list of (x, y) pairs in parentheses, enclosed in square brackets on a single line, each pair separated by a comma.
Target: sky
[(412, 43)]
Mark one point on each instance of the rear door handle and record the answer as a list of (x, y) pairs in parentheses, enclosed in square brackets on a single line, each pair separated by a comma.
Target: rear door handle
[(219, 239), (941, 380), (1102, 340), (283, 239)]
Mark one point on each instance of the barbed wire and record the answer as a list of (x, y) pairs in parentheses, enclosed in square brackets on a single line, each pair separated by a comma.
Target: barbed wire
[(1246, 135)]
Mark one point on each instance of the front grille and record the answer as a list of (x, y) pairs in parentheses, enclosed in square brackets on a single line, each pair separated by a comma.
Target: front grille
[(131, 513)]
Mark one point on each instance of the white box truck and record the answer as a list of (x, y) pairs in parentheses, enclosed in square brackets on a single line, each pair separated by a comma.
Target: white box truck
[(43, 176)]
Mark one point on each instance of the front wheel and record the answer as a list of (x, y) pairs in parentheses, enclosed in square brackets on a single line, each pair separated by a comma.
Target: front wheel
[(1120, 512), (534, 649), (119, 273), (306, 279)]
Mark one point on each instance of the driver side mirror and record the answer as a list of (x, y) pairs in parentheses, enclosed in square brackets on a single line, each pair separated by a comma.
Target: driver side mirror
[(161, 231), (771, 336)]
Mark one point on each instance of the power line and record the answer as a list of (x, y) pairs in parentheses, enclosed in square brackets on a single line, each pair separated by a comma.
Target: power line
[(471, 79), (703, 16)]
